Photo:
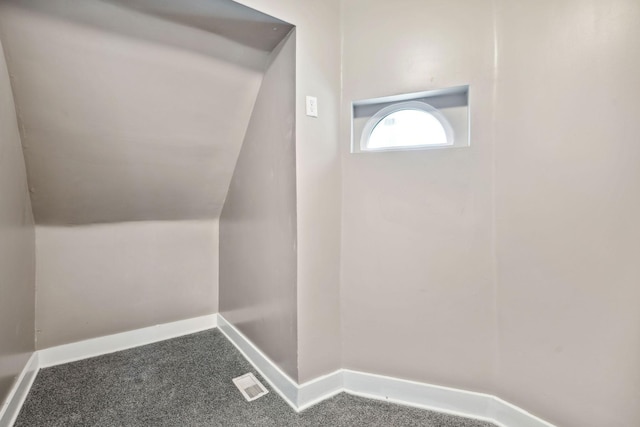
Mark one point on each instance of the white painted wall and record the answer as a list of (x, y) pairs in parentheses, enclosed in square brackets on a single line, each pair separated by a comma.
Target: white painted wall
[(103, 279), (511, 266), (317, 179), (508, 266), (132, 116), (567, 209), (134, 111), (17, 240), (258, 223), (126, 116), (417, 270)]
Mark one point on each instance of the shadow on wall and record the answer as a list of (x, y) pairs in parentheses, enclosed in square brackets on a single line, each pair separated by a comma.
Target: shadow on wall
[(133, 111), (211, 28), (224, 18), (258, 225)]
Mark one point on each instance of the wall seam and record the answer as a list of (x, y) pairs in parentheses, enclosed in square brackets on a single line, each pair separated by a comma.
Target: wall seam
[(494, 229)]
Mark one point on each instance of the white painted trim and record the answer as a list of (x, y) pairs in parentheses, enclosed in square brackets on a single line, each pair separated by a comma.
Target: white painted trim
[(480, 406), (436, 398), (452, 401), (18, 393), (111, 343), (319, 389), (507, 415), (286, 387), (300, 397)]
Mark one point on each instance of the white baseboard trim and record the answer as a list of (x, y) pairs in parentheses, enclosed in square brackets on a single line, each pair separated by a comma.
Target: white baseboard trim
[(319, 389), (480, 406), (117, 342), (18, 394), (426, 396), (507, 415), (286, 387), (91, 348), (299, 396), (452, 401)]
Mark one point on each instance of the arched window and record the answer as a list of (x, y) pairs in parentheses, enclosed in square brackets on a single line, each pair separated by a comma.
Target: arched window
[(406, 125)]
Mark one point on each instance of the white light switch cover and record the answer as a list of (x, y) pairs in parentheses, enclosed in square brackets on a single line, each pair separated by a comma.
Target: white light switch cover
[(312, 106)]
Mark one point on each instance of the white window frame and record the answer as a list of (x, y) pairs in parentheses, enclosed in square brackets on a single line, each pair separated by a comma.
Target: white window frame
[(402, 106), (450, 106)]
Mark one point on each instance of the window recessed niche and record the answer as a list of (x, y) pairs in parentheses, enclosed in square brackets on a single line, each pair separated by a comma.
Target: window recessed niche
[(418, 121)]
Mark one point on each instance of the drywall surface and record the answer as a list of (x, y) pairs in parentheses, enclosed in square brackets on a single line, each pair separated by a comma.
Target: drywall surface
[(126, 116), (258, 222), (317, 179), (567, 209), (226, 18), (132, 116), (17, 252), (103, 279), (417, 266), (510, 266)]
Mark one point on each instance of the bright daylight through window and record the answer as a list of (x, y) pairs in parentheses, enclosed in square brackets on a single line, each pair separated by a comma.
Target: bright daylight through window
[(416, 121), (406, 125)]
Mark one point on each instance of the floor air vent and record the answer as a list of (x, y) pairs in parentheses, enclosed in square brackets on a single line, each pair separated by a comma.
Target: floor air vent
[(250, 387)]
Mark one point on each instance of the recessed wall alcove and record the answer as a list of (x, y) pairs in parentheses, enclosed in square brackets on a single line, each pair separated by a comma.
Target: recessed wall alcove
[(157, 166), (139, 119)]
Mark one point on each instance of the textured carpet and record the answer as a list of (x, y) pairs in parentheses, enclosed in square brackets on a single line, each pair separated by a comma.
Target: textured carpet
[(187, 382)]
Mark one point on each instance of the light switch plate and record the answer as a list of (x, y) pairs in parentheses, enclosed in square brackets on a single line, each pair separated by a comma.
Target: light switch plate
[(312, 106)]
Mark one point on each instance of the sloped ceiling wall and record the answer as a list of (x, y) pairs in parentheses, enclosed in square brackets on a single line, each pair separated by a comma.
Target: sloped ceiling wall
[(17, 252), (258, 225), (136, 110), (132, 115)]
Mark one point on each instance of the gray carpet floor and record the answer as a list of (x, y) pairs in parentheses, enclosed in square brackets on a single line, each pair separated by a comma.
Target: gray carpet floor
[(187, 382)]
